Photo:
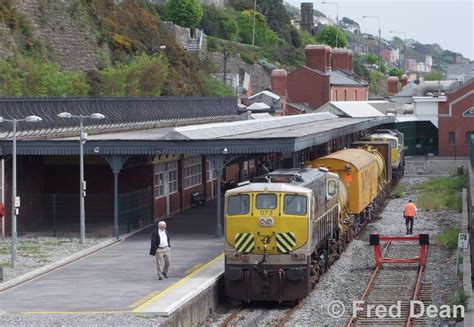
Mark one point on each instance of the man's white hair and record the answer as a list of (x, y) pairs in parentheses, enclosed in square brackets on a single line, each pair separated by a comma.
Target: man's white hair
[(162, 223)]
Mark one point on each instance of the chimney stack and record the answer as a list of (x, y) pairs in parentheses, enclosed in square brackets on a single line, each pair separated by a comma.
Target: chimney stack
[(349, 61), (318, 57), (279, 82), (279, 88), (306, 22), (392, 85), (339, 59), (404, 80)]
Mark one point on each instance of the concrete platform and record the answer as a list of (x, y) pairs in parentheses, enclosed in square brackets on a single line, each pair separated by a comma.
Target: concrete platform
[(186, 290), (122, 277)]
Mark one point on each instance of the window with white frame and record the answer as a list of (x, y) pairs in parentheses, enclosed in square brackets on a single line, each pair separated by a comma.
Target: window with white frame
[(211, 173), (192, 171), (159, 180), (171, 170), (173, 176)]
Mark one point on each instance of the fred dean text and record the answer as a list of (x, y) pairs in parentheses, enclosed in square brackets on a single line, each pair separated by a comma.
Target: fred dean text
[(417, 310)]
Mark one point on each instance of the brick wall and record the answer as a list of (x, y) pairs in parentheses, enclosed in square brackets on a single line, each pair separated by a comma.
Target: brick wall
[(304, 85), (456, 124), (345, 93)]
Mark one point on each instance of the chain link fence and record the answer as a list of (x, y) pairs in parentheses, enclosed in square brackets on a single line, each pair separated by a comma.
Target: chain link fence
[(58, 214)]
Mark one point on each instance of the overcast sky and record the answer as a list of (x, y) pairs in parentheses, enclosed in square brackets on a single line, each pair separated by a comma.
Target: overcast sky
[(450, 23)]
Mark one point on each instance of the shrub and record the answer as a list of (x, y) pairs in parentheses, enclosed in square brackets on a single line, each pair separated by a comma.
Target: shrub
[(218, 88), (30, 77), (143, 76), (266, 65), (398, 194), (449, 238), (461, 298)]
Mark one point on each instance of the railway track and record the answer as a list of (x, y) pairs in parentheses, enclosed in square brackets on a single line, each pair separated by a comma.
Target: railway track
[(246, 316), (393, 285)]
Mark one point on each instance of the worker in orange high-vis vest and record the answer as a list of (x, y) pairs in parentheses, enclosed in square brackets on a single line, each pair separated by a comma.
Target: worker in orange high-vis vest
[(410, 214)]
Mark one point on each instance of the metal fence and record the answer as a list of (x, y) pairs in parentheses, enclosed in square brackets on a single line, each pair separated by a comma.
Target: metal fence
[(59, 213)]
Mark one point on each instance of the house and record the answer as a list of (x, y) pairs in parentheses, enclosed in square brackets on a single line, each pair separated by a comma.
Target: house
[(327, 76), (456, 121), (265, 101)]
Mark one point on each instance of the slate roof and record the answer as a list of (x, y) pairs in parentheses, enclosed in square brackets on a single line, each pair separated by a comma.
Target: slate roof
[(121, 113)]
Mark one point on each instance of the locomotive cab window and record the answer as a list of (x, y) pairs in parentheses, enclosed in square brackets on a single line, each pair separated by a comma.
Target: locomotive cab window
[(331, 187), (266, 201), (238, 204), (295, 204)]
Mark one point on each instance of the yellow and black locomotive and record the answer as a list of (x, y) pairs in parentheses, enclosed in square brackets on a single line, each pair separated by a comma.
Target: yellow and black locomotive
[(283, 232), (280, 234)]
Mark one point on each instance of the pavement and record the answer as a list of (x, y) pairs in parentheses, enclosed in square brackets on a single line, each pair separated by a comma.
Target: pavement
[(121, 277)]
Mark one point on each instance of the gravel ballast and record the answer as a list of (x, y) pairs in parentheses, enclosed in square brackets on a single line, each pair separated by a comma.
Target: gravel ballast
[(347, 278)]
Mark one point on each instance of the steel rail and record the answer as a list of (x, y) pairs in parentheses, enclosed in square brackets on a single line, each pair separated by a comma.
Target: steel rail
[(369, 286), (416, 292)]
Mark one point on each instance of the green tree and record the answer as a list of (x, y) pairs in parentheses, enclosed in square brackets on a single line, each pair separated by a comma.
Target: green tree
[(433, 76), (186, 13), (395, 72), (371, 59), (328, 36), (306, 39), (264, 36), (359, 68)]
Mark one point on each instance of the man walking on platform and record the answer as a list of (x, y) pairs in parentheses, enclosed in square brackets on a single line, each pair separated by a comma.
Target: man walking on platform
[(410, 214), (160, 248)]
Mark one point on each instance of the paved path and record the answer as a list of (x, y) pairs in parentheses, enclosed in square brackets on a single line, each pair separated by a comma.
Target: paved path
[(120, 277)]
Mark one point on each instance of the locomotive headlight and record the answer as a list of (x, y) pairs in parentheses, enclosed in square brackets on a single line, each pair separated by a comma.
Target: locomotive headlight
[(234, 256), (298, 256), (265, 221)]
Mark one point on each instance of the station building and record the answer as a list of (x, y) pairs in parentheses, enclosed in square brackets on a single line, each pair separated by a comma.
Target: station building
[(152, 157)]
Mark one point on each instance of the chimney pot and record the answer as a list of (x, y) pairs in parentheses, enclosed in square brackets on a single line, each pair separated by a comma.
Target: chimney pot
[(392, 84), (318, 57)]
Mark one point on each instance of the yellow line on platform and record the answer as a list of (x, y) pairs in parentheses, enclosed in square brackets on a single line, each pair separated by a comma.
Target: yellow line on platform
[(175, 285), (70, 312)]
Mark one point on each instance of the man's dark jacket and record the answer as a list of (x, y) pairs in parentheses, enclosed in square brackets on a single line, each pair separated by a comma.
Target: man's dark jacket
[(155, 241)]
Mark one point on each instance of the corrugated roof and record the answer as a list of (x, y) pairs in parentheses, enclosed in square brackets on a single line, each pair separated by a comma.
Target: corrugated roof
[(354, 109), (232, 129), (261, 115), (267, 93), (258, 106), (278, 134)]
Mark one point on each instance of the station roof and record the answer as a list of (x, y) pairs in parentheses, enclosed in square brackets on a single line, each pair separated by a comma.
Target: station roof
[(275, 134), (354, 109)]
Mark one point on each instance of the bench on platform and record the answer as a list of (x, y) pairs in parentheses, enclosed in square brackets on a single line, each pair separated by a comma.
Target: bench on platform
[(198, 199)]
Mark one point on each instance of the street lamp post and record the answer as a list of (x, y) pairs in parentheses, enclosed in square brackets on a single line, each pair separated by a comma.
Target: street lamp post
[(404, 48), (380, 38), (15, 205), (82, 185), (253, 29), (337, 18)]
